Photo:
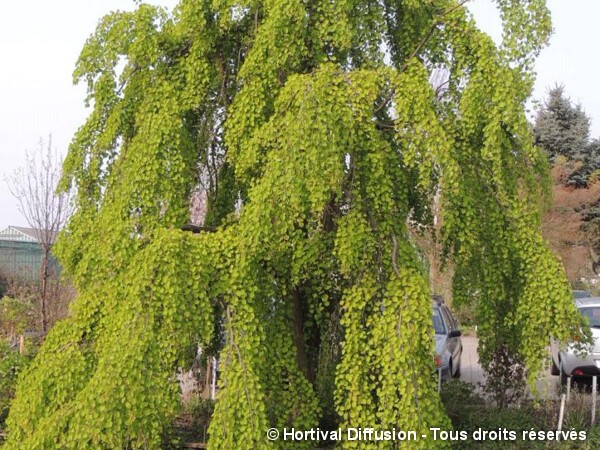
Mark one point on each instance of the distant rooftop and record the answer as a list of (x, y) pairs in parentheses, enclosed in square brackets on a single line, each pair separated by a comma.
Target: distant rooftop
[(24, 234)]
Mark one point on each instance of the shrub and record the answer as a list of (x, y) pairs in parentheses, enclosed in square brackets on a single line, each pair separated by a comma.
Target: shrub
[(11, 364), (506, 381), (194, 418), (469, 412), (15, 316)]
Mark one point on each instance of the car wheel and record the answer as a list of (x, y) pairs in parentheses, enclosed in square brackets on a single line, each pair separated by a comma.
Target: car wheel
[(457, 373), (554, 370), (563, 376)]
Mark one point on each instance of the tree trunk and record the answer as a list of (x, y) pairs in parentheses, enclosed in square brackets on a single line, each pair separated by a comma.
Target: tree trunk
[(44, 290), (301, 354)]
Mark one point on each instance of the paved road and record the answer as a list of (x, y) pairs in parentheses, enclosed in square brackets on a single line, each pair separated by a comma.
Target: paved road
[(472, 372)]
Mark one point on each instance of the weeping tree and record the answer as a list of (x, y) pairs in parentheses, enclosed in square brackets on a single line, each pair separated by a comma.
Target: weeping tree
[(320, 142)]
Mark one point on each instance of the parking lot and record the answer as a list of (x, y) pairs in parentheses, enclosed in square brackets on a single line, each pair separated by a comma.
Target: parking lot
[(472, 372)]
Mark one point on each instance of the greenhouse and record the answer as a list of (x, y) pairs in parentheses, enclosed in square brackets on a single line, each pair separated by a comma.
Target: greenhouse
[(21, 252)]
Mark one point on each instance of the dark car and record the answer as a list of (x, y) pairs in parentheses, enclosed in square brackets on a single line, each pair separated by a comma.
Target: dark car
[(448, 345)]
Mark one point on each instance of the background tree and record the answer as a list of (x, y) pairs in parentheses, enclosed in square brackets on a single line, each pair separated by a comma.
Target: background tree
[(572, 223), (564, 226), (562, 128), (586, 170), (45, 210), (322, 147)]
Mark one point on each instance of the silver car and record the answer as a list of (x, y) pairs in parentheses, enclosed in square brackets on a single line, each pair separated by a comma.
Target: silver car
[(448, 345), (569, 360)]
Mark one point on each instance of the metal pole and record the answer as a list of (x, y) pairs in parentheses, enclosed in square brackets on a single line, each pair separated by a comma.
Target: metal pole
[(569, 388), (561, 414), (439, 380), (214, 379), (594, 386)]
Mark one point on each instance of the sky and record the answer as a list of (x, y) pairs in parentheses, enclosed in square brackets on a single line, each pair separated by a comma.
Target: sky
[(40, 41)]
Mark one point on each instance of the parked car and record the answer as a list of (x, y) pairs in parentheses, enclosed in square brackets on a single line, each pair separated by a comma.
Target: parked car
[(570, 360), (448, 345), (581, 294)]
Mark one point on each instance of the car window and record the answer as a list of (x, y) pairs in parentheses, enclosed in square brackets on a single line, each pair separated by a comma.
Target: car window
[(438, 322), (593, 314), (453, 319), (448, 318)]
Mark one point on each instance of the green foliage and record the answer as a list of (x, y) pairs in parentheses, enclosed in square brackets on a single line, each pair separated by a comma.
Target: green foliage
[(316, 153), (11, 364)]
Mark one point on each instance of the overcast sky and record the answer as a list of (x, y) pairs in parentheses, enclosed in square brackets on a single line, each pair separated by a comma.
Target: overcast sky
[(40, 41)]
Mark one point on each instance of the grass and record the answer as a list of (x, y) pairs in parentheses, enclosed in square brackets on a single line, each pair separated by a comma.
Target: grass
[(470, 413)]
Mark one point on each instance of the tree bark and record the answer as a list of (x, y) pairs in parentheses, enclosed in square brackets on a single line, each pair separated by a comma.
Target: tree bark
[(301, 353), (44, 290)]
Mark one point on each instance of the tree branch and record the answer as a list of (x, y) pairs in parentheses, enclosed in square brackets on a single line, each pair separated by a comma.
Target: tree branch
[(198, 229)]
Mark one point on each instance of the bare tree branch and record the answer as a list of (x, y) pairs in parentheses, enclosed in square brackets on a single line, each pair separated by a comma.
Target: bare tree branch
[(34, 186)]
